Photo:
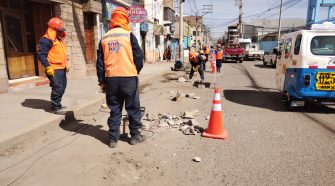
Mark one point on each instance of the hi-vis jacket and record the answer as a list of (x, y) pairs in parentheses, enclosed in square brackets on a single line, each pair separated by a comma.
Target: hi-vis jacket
[(51, 51), (219, 54), (119, 55)]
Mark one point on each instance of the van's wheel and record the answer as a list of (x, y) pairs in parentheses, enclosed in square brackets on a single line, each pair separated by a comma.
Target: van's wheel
[(241, 60), (264, 63), (273, 64), (287, 100)]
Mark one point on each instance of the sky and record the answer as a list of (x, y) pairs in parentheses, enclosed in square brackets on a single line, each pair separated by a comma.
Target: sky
[(225, 10)]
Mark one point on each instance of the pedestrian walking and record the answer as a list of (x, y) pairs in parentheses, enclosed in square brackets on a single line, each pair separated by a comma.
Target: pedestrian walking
[(119, 61), (168, 53), (219, 58), (51, 52), (196, 59)]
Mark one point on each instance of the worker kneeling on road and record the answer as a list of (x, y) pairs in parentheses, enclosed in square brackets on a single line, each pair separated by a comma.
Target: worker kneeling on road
[(51, 52), (197, 60), (119, 61)]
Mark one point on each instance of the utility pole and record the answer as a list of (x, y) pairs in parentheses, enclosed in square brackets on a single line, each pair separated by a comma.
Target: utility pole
[(196, 31), (181, 31), (239, 3), (279, 25)]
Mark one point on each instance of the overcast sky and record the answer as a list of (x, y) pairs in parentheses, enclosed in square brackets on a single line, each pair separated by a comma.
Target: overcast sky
[(225, 10)]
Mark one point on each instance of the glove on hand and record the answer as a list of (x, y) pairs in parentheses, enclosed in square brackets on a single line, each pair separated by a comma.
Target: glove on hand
[(50, 71), (103, 87)]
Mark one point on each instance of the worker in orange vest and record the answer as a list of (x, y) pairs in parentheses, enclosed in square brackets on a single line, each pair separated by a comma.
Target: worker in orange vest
[(196, 60), (51, 52), (219, 58), (119, 61), (207, 52)]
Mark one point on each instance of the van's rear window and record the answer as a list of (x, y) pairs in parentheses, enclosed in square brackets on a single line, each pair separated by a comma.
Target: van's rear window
[(323, 45)]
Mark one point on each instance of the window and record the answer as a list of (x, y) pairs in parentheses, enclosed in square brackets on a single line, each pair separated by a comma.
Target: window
[(14, 36), (194, 33), (297, 45), (323, 45)]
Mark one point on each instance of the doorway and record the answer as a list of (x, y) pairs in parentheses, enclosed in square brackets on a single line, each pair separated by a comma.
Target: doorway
[(19, 25)]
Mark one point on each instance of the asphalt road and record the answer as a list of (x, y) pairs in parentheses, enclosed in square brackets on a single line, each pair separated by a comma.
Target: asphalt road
[(267, 145)]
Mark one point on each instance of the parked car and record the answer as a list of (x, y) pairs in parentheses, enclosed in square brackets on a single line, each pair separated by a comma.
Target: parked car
[(233, 52), (271, 58)]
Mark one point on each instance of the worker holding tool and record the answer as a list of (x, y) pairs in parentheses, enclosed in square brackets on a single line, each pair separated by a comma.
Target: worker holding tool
[(119, 61), (51, 52), (196, 60)]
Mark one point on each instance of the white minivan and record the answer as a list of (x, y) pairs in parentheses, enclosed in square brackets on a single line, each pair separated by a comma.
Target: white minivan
[(305, 70)]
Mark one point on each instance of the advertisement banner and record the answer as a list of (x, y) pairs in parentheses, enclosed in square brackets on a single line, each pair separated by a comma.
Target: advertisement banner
[(137, 14)]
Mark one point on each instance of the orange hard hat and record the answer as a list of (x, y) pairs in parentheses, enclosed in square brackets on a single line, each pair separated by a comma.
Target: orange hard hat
[(56, 24), (120, 10)]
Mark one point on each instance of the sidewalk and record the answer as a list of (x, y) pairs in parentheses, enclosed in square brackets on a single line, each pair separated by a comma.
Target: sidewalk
[(26, 112)]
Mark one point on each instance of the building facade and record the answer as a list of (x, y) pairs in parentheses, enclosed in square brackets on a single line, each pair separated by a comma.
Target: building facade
[(23, 22)]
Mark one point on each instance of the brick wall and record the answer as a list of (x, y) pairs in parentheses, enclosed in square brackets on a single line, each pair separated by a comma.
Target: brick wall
[(3, 69), (72, 15)]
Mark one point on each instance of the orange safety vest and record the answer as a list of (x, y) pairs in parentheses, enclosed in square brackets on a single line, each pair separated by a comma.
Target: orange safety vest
[(57, 53), (118, 53), (207, 51), (219, 55)]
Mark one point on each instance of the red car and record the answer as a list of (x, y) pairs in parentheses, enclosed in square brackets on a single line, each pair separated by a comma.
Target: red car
[(233, 52)]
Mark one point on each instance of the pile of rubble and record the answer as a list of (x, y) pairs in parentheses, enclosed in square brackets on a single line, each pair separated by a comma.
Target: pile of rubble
[(185, 122)]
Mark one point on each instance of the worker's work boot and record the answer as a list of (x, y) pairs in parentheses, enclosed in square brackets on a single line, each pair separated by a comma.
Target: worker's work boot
[(137, 139), (59, 111), (112, 143)]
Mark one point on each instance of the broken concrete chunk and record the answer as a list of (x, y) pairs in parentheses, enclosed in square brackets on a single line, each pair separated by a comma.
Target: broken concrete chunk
[(197, 159), (196, 97), (193, 122), (190, 114), (181, 79), (170, 122), (150, 117), (163, 124), (190, 95)]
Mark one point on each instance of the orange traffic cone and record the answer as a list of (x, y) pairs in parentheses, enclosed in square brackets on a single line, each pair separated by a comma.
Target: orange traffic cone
[(215, 126)]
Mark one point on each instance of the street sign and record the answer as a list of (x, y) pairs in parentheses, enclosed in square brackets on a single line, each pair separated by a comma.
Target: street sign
[(137, 14)]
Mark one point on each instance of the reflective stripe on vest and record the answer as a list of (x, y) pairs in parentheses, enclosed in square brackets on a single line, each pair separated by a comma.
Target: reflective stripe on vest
[(219, 55), (57, 54), (118, 54)]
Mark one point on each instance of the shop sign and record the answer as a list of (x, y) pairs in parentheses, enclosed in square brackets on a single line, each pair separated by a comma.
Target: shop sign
[(137, 14)]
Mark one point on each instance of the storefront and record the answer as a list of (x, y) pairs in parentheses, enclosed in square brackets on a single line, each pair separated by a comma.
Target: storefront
[(23, 22), (22, 28)]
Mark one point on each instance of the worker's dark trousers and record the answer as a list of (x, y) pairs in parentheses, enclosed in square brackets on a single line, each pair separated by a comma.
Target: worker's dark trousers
[(200, 70), (218, 65), (58, 85), (121, 90)]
